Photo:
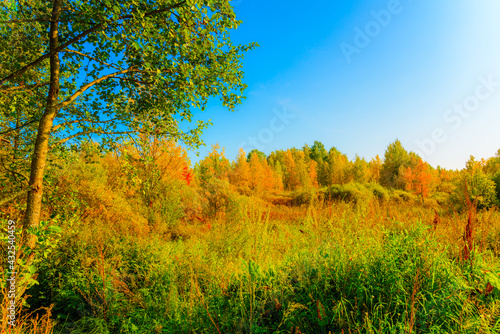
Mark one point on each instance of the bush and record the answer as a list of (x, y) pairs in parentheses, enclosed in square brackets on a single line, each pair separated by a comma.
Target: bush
[(351, 192), (480, 190), (304, 196), (217, 192), (379, 191), (496, 179), (440, 197), (401, 196)]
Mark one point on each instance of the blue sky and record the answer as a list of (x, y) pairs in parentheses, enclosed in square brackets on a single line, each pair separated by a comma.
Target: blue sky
[(358, 75)]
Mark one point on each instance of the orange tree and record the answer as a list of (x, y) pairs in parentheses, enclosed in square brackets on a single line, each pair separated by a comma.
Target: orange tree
[(418, 179)]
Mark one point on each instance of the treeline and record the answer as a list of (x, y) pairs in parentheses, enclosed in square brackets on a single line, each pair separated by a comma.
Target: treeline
[(315, 167), (152, 173)]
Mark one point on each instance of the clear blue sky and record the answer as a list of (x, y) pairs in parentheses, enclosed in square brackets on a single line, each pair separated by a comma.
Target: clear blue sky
[(359, 74)]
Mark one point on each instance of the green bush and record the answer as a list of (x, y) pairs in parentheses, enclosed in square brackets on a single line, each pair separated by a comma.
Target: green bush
[(305, 196), (380, 192), (496, 179), (401, 196), (351, 192), (480, 190)]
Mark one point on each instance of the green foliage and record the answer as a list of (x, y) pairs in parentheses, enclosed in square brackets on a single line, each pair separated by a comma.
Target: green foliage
[(318, 152), (480, 189), (260, 154), (379, 191), (351, 192), (396, 159), (182, 52), (496, 179), (307, 196)]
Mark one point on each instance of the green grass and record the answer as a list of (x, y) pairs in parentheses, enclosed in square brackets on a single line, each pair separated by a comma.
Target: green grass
[(345, 259), (337, 267)]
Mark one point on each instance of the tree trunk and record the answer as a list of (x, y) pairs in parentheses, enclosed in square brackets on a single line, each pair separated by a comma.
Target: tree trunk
[(38, 162)]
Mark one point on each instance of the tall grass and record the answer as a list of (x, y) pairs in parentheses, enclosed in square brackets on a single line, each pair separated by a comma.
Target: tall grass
[(347, 259), (376, 268)]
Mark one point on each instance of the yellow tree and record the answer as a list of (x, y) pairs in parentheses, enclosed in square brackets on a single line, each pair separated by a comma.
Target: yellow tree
[(257, 170), (375, 168), (151, 163), (339, 165), (241, 176), (313, 174), (360, 170), (215, 165), (292, 180), (301, 167)]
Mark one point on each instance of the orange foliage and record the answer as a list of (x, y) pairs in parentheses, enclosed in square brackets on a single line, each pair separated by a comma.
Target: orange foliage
[(313, 174), (165, 157), (292, 178), (240, 175), (418, 179), (214, 165), (262, 176)]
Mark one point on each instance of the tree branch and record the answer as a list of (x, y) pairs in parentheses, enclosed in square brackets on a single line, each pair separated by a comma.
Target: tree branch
[(92, 58), (82, 133), (7, 89), (57, 127), (20, 127), (77, 38), (90, 84), (12, 197)]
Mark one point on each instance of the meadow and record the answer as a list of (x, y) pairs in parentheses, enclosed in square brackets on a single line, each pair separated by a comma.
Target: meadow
[(137, 241)]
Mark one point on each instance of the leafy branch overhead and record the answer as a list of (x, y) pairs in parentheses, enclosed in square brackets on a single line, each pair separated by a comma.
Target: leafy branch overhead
[(136, 62)]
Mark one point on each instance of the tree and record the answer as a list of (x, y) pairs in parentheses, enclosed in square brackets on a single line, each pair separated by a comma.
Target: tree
[(240, 175), (260, 154), (291, 176), (480, 189), (318, 152), (396, 159), (151, 164), (214, 166), (338, 167), (20, 103), (418, 179), (146, 64), (313, 174), (496, 179), (493, 164), (375, 169), (360, 170)]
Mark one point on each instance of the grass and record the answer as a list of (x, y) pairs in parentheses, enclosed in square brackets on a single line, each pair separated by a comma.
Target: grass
[(337, 267), (345, 259)]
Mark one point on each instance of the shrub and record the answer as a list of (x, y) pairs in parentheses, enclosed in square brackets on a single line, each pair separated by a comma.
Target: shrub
[(217, 192), (400, 196), (351, 192), (496, 179), (304, 196), (379, 191), (480, 189)]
